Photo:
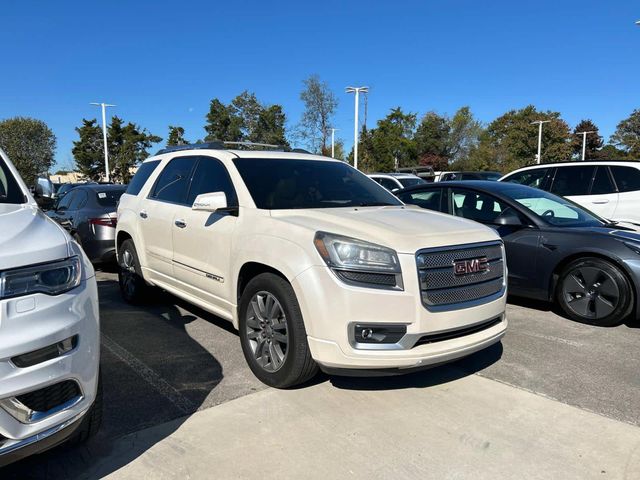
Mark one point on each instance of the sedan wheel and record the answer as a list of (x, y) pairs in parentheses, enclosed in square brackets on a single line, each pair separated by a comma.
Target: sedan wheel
[(595, 291)]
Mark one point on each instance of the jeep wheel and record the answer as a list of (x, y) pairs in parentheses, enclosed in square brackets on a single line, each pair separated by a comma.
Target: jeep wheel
[(132, 285), (272, 333), (594, 291)]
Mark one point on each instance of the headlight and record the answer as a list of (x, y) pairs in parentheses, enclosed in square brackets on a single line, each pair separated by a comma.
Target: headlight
[(49, 278), (360, 263)]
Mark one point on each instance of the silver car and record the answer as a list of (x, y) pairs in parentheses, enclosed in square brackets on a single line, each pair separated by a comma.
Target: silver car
[(49, 329)]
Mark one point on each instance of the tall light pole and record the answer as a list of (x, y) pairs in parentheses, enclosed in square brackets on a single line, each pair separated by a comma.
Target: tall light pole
[(357, 91), (584, 141), (104, 136), (333, 143), (539, 123)]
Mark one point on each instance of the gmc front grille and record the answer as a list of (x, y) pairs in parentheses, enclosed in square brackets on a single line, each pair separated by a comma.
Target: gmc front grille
[(442, 286)]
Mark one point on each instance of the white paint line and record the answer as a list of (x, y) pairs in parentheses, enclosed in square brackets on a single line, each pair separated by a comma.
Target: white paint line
[(552, 338), (181, 402)]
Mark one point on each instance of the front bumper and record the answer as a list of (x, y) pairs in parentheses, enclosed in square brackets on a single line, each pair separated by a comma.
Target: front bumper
[(331, 308), (33, 323)]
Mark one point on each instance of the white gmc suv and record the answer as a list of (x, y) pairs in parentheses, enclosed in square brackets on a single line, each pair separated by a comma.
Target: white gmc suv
[(49, 329), (314, 263)]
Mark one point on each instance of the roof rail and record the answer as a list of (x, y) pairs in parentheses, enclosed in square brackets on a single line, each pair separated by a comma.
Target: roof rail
[(217, 145), (578, 162), (192, 146)]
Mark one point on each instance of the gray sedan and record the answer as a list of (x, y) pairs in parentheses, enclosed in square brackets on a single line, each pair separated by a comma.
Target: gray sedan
[(556, 250), (88, 213)]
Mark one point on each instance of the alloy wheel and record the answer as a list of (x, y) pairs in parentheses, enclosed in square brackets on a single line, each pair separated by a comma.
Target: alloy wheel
[(128, 272), (591, 292), (266, 329)]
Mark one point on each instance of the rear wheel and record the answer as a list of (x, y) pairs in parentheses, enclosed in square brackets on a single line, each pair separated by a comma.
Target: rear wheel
[(595, 291), (272, 333), (132, 285)]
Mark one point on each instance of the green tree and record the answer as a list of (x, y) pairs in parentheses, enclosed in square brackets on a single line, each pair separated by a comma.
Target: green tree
[(611, 152), (270, 127), (390, 144), (247, 110), (511, 140), (88, 150), (627, 135), (176, 136), (30, 144), (320, 105), (128, 146), (464, 134), (432, 141), (222, 124), (593, 144)]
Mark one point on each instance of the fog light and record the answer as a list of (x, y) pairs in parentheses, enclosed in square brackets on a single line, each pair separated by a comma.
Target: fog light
[(47, 353), (378, 333)]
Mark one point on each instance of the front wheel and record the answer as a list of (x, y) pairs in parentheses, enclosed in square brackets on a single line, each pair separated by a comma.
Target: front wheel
[(272, 333), (595, 291)]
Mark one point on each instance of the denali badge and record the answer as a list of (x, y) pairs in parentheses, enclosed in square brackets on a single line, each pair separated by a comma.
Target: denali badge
[(475, 265)]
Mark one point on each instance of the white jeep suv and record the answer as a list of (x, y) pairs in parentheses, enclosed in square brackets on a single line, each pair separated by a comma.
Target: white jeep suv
[(314, 263), (49, 329)]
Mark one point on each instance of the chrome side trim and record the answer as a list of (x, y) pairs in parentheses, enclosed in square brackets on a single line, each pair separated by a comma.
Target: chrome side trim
[(10, 445), (210, 276)]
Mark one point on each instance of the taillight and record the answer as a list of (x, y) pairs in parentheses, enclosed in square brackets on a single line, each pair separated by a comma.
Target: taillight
[(104, 222)]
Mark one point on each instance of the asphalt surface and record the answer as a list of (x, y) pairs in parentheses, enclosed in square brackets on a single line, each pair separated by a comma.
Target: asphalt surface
[(166, 360)]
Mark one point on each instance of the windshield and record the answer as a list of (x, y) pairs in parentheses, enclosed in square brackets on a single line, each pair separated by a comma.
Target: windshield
[(9, 190), (109, 198), (556, 211), (410, 182), (276, 184)]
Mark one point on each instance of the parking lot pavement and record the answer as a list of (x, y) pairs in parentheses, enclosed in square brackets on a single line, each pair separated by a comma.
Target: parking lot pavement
[(165, 360)]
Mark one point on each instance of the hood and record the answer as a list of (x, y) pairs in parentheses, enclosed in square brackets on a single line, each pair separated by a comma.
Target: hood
[(28, 236), (404, 229)]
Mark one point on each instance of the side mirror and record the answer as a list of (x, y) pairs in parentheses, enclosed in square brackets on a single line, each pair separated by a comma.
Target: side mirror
[(509, 218), (43, 188), (210, 202)]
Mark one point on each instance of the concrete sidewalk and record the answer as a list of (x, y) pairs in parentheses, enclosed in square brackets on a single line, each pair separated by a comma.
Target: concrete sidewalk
[(467, 428)]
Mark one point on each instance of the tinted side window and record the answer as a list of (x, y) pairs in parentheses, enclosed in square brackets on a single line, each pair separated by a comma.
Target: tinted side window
[(212, 176), (572, 181), (602, 182), (627, 178), (173, 182), (66, 200), (477, 206), (79, 200), (389, 184), (530, 178), (429, 199), (141, 177)]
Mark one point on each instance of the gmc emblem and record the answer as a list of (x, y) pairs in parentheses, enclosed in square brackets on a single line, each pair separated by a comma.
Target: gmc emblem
[(475, 265)]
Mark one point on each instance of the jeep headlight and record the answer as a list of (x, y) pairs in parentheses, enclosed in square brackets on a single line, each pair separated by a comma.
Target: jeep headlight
[(49, 278), (359, 263)]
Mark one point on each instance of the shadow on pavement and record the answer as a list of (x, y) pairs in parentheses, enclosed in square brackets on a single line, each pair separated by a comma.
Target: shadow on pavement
[(427, 377), (153, 373), (630, 322)]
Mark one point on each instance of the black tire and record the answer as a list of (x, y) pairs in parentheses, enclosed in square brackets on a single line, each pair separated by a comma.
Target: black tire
[(594, 291), (132, 285), (91, 421), (296, 366)]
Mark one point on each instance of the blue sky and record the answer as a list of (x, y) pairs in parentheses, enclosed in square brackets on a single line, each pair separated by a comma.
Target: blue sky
[(162, 62)]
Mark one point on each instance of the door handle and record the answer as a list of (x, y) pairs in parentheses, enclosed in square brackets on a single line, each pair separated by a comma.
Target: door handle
[(143, 213), (180, 223), (600, 202)]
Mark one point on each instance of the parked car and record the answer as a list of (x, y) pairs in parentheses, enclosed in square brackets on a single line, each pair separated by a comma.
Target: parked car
[(88, 213), (49, 326), (314, 263), (396, 181), (449, 176), (609, 189), (556, 250)]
